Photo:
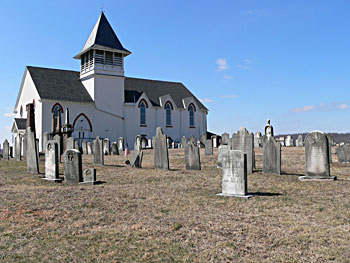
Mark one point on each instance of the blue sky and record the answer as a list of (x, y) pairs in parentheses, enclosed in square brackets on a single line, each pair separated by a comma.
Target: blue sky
[(246, 60)]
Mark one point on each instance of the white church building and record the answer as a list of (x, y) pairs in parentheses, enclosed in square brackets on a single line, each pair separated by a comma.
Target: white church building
[(103, 102)]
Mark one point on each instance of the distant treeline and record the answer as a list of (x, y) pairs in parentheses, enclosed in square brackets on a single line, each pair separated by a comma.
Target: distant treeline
[(337, 137)]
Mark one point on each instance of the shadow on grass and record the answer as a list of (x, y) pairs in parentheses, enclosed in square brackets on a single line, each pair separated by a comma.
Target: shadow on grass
[(264, 194), (293, 174), (114, 165)]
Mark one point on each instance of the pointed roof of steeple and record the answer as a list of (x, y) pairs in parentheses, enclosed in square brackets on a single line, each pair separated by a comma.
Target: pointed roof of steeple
[(103, 35)]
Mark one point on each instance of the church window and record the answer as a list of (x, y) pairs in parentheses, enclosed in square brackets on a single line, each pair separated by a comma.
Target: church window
[(191, 110), (109, 58), (142, 113), (56, 111), (168, 107)]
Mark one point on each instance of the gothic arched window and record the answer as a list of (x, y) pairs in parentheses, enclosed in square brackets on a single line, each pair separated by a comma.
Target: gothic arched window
[(55, 110), (168, 107), (142, 113), (191, 110)]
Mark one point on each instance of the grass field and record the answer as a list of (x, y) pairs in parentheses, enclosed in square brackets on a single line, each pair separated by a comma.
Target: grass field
[(146, 215)]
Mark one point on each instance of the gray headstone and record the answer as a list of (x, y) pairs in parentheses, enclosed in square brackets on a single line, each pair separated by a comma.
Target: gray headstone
[(208, 147), (137, 144), (98, 151), (289, 141), (299, 141), (222, 149), (115, 148), (183, 140), (89, 176), (244, 141), (193, 139), (106, 147), (203, 139), (84, 146), (192, 156), (149, 145), (136, 158), (32, 152), (161, 157), (343, 153), (120, 144), (70, 143), (234, 174), (46, 138), (225, 139), (6, 150), (18, 147), (316, 155), (271, 156), (144, 143), (73, 167), (51, 161), (24, 150), (257, 140), (57, 138), (89, 148), (76, 145)]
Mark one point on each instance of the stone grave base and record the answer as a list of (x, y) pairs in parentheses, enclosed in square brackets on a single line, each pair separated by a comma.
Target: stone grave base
[(59, 180), (231, 195), (317, 179)]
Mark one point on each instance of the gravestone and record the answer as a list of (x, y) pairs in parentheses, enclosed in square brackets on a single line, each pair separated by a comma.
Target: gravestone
[(24, 146), (72, 167), (193, 139), (89, 148), (271, 156), (136, 158), (299, 141), (222, 149), (208, 147), (76, 145), (343, 153), (89, 176), (316, 156), (257, 140), (215, 141), (173, 145), (120, 144), (149, 144), (289, 141), (268, 129), (161, 157), (203, 139), (46, 138), (225, 139), (32, 149), (115, 148), (244, 141), (137, 144), (6, 150), (234, 174), (51, 161), (69, 143), (168, 143), (192, 156), (143, 143), (183, 140), (98, 151), (57, 138), (106, 147), (18, 147), (84, 146)]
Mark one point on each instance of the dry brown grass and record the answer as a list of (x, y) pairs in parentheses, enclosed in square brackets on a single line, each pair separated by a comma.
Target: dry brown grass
[(143, 215)]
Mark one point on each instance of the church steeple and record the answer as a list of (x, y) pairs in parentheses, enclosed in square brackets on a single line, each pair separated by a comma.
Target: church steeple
[(102, 53)]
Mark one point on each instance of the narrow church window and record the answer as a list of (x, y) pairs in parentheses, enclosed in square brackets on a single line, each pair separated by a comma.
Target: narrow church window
[(142, 113), (168, 114), (191, 115), (56, 111)]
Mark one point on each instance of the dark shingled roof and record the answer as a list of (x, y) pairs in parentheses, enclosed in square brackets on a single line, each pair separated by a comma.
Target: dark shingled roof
[(56, 84), (21, 123), (154, 89)]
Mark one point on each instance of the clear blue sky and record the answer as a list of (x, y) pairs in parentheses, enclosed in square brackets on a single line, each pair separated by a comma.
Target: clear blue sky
[(247, 60)]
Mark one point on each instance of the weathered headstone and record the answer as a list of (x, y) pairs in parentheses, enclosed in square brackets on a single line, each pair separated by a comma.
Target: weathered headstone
[(268, 129), (143, 143), (18, 147), (76, 145), (149, 144), (136, 158), (24, 150), (72, 167), (289, 141), (244, 141), (316, 155), (46, 138), (203, 139), (234, 174), (32, 149), (222, 149), (343, 153), (69, 143), (299, 141), (57, 138), (84, 146), (51, 161), (193, 139), (137, 144), (89, 176), (120, 144), (161, 157), (98, 151), (225, 139), (257, 140), (192, 156), (89, 148), (106, 147), (208, 147), (271, 156), (115, 148), (183, 140), (6, 150)]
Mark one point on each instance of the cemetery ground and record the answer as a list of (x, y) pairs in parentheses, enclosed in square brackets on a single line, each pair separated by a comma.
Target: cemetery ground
[(142, 215)]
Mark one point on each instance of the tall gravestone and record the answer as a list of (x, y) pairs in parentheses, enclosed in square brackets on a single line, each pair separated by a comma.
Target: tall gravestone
[(89, 148), (299, 141), (225, 139), (69, 143), (98, 151), (120, 144), (203, 139), (161, 157), (46, 138), (57, 139), (84, 146), (149, 144), (115, 148), (193, 139), (76, 145), (316, 155), (222, 149), (183, 140), (24, 146), (257, 140), (6, 150), (51, 161), (18, 147), (234, 174), (343, 153), (136, 158), (289, 141), (106, 147), (137, 144), (271, 156), (73, 167), (32, 149), (192, 156), (244, 141), (208, 147)]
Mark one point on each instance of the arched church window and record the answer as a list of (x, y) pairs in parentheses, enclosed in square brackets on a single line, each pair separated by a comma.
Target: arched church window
[(191, 110), (168, 107), (56, 109), (142, 113)]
